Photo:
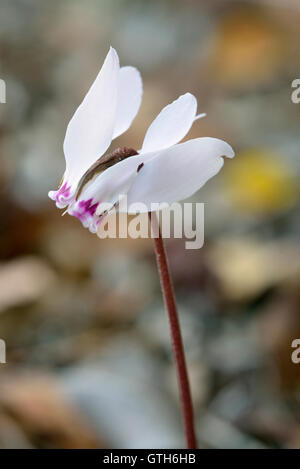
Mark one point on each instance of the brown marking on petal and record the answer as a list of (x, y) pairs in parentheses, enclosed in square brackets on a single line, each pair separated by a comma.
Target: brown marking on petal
[(106, 161), (139, 167), (107, 211)]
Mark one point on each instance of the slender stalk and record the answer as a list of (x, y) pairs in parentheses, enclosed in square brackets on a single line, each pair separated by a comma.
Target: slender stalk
[(177, 343)]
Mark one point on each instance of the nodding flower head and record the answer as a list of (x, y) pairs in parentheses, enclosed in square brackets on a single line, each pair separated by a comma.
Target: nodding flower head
[(162, 171)]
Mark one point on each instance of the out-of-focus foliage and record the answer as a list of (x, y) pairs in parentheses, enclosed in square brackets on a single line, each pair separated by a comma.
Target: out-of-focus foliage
[(88, 350)]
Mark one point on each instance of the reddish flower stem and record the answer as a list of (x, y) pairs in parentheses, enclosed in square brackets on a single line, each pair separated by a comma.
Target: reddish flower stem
[(177, 343)]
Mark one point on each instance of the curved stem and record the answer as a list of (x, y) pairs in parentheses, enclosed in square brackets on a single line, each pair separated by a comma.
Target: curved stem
[(177, 343)]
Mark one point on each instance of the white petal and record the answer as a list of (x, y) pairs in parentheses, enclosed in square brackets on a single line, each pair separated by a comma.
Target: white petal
[(172, 124), (179, 171), (130, 89), (200, 116), (90, 130)]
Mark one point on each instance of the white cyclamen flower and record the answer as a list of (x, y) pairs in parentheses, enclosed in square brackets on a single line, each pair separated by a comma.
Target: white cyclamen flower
[(163, 171)]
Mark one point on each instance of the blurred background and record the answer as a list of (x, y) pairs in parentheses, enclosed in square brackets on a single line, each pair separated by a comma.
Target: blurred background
[(89, 362)]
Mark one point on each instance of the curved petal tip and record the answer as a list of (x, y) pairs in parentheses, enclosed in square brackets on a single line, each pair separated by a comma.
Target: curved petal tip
[(229, 151)]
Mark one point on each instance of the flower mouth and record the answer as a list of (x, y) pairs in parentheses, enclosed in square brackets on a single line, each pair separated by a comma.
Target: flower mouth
[(85, 211), (63, 196)]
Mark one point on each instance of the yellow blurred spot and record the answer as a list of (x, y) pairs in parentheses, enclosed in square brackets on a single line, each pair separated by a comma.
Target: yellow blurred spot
[(258, 181)]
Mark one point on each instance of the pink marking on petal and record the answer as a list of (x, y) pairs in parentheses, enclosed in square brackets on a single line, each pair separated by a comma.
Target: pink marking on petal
[(63, 196), (88, 207), (85, 211)]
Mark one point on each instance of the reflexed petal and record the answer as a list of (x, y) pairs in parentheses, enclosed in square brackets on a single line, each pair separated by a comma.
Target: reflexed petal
[(90, 130), (130, 90), (179, 171), (172, 124)]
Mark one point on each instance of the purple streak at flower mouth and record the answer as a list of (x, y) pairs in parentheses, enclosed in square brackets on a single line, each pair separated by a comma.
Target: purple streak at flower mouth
[(63, 192), (63, 196), (85, 211)]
